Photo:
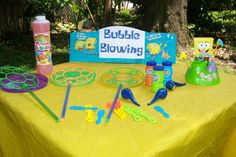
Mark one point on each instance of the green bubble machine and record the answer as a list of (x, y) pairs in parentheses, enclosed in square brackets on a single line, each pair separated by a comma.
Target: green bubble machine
[(203, 70)]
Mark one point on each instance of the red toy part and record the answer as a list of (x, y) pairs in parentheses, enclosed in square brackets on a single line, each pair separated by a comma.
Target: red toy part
[(117, 105)]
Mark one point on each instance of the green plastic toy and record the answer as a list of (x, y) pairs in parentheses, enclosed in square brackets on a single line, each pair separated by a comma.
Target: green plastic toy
[(77, 74), (129, 77), (198, 74), (203, 70)]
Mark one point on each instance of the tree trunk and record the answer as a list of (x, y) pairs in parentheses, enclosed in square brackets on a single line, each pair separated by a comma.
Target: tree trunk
[(108, 13), (11, 19), (168, 16)]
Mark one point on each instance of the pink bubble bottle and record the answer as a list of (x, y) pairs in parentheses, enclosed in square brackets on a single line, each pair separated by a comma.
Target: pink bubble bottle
[(42, 45)]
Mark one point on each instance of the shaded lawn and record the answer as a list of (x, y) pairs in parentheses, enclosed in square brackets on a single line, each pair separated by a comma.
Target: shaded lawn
[(20, 52)]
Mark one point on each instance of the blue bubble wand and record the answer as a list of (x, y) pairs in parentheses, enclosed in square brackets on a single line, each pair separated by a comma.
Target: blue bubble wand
[(66, 101), (113, 103)]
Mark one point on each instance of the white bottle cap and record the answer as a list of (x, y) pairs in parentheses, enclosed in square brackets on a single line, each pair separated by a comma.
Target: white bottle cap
[(40, 18)]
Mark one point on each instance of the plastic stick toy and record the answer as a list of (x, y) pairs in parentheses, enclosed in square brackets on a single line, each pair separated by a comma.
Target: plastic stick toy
[(137, 114), (113, 103), (119, 111), (162, 111), (132, 113), (90, 118), (219, 43), (41, 103), (88, 109), (83, 108), (148, 117), (100, 114), (66, 101)]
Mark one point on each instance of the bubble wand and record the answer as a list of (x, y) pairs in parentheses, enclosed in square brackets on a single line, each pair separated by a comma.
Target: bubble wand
[(77, 74), (114, 103), (66, 101), (18, 80), (219, 43), (41, 103)]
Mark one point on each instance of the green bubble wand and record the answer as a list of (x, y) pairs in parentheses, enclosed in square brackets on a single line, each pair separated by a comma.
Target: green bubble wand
[(54, 116)]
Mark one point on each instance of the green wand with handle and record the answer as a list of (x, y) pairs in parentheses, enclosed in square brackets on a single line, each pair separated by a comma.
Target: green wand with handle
[(54, 116)]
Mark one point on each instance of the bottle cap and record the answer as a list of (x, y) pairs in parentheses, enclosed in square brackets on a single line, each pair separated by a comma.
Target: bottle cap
[(151, 63), (158, 68), (40, 18), (167, 63)]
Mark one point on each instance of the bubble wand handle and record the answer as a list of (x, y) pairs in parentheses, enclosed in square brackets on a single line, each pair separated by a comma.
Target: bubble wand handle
[(66, 101), (42, 104), (113, 103)]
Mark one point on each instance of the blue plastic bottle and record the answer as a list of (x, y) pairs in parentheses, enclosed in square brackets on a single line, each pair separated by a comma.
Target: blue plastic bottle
[(168, 71), (157, 78)]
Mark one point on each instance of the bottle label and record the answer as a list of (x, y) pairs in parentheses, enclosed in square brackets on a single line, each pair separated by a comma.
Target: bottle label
[(149, 72), (155, 77), (42, 48), (167, 73)]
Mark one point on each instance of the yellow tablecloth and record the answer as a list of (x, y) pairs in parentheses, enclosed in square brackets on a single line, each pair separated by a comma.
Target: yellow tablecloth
[(201, 120), (229, 149)]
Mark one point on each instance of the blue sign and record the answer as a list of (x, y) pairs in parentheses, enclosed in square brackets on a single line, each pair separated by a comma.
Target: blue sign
[(160, 47), (120, 44)]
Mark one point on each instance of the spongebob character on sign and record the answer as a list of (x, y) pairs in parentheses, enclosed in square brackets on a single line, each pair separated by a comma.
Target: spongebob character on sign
[(154, 48), (79, 45), (90, 43)]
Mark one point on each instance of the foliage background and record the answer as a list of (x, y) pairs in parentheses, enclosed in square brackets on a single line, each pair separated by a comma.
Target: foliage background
[(214, 18)]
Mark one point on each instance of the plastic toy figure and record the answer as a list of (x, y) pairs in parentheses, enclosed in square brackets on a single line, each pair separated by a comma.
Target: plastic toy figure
[(203, 70)]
